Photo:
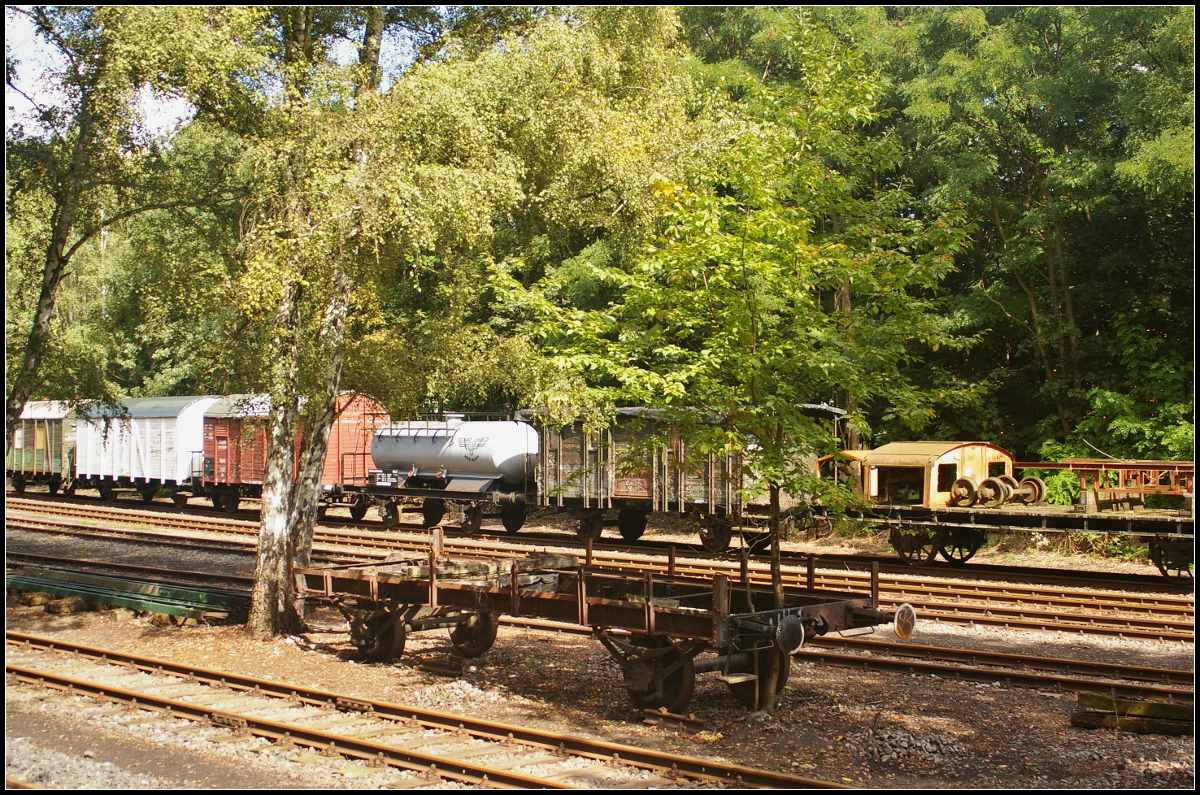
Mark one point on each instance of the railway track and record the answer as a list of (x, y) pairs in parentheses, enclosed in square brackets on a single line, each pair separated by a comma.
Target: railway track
[(424, 747), (1015, 606), (1023, 670), (852, 564)]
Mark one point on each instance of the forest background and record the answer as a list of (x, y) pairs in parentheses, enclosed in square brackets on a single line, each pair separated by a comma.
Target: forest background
[(955, 223)]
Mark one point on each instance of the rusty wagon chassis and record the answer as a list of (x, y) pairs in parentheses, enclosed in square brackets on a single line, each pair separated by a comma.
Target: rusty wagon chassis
[(662, 631)]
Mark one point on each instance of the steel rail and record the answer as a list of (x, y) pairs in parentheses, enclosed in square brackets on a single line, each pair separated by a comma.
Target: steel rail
[(665, 764), (825, 579), (888, 565), (1008, 677), (959, 613)]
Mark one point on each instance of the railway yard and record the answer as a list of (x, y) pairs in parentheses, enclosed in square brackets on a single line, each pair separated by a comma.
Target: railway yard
[(981, 695)]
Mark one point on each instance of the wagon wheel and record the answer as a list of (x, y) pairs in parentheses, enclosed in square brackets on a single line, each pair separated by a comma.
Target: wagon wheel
[(1174, 559), (961, 544), (677, 686), (1009, 481), (771, 662), (358, 509), (107, 494), (591, 526), (476, 635), (230, 502), (18, 484), (918, 546), (472, 519), (512, 517), (180, 499), (389, 514), (632, 523), (962, 493), (379, 639), (993, 493), (715, 533), (432, 511), (1033, 491)]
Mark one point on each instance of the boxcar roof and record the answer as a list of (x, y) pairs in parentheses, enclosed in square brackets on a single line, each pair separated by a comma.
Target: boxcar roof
[(149, 407), (240, 406), (45, 410), (913, 454)]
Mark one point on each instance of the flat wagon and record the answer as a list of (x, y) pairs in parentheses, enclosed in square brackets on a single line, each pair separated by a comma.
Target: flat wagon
[(661, 630)]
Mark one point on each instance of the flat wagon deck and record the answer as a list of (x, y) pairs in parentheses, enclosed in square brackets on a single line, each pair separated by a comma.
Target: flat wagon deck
[(661, 630)]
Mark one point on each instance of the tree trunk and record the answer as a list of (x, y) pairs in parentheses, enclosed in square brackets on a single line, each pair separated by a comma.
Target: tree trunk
[(368, 56), (57, 257), (305, 495), (776, 541), (272, 602)]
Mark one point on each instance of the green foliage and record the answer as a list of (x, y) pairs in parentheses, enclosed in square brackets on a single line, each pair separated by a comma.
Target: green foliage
[(741, 308)]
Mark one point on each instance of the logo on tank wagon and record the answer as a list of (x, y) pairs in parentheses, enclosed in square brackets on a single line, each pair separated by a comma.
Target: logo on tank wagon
[(471, 445)]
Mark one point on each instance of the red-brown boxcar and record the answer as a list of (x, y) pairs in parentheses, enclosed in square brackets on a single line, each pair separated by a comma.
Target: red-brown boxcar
[(235, 444)]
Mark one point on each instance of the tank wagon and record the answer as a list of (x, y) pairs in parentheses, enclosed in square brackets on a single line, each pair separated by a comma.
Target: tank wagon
[(453, 464), (945, 497)]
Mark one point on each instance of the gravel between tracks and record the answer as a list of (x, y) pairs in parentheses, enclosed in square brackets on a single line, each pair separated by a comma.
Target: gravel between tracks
[(865, 729)]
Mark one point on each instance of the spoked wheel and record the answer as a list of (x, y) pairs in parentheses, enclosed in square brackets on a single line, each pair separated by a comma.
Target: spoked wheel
[(715, 533), (632, 523), (512, 517), (917, 546), (476, 635), (358, 509), (18, 484), (432, 511), (961, 544), (472, 519), (962, 493), (678, 684), (591, 526), (379, 639), (771, 662), (1175, 559), (389, 514)]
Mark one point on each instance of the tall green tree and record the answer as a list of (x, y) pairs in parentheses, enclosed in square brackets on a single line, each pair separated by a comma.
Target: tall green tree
[(1068, 135), (87, 158), (781, 276)]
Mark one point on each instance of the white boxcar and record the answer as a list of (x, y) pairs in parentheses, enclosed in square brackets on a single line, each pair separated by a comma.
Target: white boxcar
[(157, 442)]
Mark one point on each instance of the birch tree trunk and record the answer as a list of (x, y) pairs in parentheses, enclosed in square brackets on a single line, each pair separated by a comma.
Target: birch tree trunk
[(305, 494), (272, 602)]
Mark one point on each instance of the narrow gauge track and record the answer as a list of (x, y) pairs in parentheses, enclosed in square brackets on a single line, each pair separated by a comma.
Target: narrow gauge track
[(1048, 613), (1150, 583), (1025, 670), (457, 748)]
